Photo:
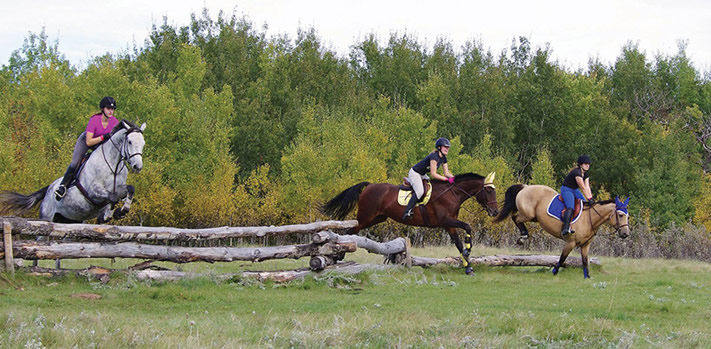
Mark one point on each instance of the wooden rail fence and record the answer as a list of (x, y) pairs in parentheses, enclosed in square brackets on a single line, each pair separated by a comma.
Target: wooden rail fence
[(325, 250)]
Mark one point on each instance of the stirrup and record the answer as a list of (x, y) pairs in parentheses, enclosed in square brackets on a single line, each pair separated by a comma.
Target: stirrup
[(58, 193), (408, 214), (569, 232)]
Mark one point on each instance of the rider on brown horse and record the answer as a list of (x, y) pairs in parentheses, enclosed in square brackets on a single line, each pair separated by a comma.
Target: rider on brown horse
[(577, 178), (429, 164)]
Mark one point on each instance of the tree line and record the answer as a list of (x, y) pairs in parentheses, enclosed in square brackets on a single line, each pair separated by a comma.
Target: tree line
[(246, 129)]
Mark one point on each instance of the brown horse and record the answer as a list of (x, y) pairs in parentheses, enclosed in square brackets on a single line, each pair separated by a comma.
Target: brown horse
[(378, 201), (526, 203)]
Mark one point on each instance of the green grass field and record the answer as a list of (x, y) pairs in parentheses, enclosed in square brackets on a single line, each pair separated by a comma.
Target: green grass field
[(627, 303)]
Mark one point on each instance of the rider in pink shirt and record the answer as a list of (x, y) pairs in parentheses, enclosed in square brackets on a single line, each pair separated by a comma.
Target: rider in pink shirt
[(97, 131)]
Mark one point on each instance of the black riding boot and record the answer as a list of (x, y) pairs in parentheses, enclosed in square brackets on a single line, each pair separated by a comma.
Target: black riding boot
[(410, 207), (567, 216), (62, 189)]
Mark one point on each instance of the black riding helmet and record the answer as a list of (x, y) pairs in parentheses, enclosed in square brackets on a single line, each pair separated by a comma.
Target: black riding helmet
[(583, 159), (107, 102), (442, 142)]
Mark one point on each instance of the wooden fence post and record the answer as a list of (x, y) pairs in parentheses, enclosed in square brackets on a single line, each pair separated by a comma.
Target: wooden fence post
[(7, 240), (408, 254)]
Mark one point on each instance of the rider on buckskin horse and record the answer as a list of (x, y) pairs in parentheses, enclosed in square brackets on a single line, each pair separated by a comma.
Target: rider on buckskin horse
[(577, 178), (430, 164), (97, 131)]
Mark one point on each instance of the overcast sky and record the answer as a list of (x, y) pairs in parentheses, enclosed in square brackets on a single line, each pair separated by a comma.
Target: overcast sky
[(575, 30)]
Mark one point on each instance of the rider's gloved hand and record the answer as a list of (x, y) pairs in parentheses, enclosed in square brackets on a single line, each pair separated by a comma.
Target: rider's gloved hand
[(591, 201), (450, 180)]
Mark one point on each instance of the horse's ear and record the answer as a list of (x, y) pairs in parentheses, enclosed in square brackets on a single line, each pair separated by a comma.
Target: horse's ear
[(490, 178), (143, 126), (617, 201), (125, 124), (627, 201)]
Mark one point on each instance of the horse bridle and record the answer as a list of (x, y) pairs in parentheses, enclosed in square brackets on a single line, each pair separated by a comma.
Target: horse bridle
[(617, 219), (124, 155)]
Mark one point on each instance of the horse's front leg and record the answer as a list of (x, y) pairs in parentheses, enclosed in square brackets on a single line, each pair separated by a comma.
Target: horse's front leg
[(118, 214), (110, 211), (569, 245), (585, 257), (105, 215), (464, 250)]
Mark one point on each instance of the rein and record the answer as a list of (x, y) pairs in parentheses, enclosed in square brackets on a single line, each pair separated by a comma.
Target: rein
[(454, 186), (617, 219)]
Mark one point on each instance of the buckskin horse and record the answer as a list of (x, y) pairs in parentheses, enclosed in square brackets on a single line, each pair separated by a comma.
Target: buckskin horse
[(100, 185), (378, 201), (527, 203)]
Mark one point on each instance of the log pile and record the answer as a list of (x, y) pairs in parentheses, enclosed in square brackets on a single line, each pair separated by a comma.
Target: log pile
[(326, 249)]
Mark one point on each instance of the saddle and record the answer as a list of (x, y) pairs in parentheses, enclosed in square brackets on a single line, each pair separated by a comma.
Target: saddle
[(406, 191), (556, 208)]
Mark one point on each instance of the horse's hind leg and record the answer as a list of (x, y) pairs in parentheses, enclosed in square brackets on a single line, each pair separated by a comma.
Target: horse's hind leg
[(522, 229), (569, 245)]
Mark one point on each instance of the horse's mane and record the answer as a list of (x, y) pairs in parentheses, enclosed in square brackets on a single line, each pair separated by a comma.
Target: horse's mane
[(605, 202), (467, 176), (120, 126)]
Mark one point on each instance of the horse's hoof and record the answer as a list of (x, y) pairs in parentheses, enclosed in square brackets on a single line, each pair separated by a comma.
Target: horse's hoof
[(554, 271), (118, 214), (522, 239), (469, 271)]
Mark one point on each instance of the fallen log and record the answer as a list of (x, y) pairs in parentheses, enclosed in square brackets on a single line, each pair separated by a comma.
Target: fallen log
[(385, 248), (136, 233), (504, 260), (68, 250), (276, 276)]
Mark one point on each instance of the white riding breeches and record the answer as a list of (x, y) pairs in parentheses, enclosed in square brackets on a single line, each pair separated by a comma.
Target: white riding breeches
[(416, 182)]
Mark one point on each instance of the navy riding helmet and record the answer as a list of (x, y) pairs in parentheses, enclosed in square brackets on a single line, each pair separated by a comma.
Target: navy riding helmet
[(107, 102), (583, 159), (442, 142)]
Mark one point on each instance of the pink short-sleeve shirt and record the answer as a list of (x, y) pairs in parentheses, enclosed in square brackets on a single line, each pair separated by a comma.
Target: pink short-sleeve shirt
[(97, 128)]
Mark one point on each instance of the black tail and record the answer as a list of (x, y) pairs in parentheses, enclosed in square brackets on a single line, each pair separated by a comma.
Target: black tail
[(12, 203), (509, 202), (344, 202)]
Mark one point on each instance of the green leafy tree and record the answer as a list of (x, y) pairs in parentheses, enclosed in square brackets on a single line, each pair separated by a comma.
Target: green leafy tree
[(329, 155), (542, 169), (667, 180), (481, 97)]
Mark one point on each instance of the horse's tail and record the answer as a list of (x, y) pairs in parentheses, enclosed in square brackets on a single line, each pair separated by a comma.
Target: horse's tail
[(509, 202), (344, 202), (12, 203)]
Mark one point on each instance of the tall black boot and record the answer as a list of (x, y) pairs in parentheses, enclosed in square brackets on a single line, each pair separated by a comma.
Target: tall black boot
[(62, 189), (410, 207), (567, 216)]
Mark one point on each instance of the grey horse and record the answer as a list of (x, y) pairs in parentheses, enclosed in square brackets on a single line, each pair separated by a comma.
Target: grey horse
[(100, 185)]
